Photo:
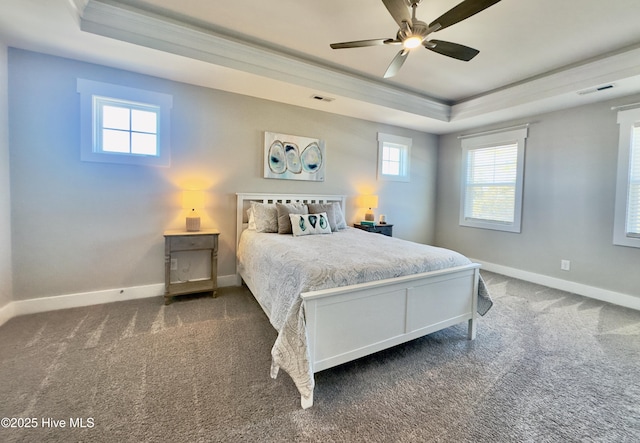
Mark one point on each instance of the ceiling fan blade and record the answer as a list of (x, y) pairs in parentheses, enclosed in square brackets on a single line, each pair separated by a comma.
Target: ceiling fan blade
[(360, 43), (461, 12), (399, 10), (453, 50), (396, 63)]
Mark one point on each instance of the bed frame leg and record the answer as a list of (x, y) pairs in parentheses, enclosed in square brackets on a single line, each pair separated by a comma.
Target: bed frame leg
[(306, 402), (471, 333)]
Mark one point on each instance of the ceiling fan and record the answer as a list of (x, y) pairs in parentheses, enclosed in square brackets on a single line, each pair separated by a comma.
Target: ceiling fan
[(413, 32)]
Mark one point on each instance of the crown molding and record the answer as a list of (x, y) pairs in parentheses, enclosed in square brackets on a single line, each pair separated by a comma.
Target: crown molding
[(618, 68), (140, 27)]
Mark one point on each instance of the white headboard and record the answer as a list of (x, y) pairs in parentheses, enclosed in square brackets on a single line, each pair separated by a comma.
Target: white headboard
[(245, 199)]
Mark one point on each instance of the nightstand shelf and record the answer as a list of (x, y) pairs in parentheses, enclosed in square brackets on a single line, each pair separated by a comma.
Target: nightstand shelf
[(385, 229), (186, 241)]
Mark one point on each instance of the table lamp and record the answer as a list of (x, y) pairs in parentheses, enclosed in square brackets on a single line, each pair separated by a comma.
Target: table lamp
[(191, 201), (371, 202)]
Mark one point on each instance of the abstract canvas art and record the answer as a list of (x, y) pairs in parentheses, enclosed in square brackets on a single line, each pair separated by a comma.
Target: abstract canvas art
[(292, 157)]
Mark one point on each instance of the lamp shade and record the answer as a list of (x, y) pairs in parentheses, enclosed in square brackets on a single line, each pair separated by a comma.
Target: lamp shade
[(370, 201), (192, 199)]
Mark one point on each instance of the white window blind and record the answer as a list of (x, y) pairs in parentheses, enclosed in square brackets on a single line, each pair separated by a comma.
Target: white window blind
[(492, 177), (633, 200), (626, 227), (491, 183)]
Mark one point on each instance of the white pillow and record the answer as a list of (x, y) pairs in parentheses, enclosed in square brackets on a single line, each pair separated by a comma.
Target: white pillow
[(310, 224)]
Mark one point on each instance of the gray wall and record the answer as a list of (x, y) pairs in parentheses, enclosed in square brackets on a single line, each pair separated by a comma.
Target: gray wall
[(568, 206), (5, 204), (81, 227)]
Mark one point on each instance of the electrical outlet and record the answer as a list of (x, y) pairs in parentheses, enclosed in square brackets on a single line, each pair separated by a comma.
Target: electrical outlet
[(565, 265), (174, 264)]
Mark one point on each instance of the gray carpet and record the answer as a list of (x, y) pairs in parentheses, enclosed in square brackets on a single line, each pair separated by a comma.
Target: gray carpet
[(547, 366)]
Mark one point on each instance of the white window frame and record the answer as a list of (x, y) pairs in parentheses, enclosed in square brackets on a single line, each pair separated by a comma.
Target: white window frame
[(488, 140), (403, 145), (94, 94), (628, 120)]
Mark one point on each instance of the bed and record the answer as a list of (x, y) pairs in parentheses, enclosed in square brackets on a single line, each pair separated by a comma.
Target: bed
[(345, 293)]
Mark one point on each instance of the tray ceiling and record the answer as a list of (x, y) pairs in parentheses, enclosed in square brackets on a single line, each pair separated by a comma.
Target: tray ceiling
[(534, 56)]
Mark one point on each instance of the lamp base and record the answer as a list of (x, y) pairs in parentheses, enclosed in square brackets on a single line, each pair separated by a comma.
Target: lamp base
[(368, 216), (193, 224)]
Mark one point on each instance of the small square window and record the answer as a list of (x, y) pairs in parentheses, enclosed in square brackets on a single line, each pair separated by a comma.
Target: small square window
[(394, 154), (124, 125), (391, 160)]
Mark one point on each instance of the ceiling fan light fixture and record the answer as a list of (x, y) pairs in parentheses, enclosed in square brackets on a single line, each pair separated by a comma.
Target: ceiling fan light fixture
[(413, 32), (412, 42)]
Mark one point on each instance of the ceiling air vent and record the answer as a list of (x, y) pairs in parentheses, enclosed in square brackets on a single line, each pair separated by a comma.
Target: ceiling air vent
[(596, 89), (322, 98)]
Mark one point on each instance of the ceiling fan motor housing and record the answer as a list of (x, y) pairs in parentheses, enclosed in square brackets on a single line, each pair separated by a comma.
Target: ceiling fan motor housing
[(419, 28)]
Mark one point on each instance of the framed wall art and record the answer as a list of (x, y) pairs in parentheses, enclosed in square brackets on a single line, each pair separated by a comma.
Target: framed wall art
[(292, 157)]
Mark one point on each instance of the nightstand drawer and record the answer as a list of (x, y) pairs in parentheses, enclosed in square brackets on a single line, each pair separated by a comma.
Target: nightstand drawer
[(193, 243), (385, 230)]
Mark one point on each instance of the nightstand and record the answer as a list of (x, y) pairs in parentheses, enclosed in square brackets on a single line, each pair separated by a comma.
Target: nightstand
[(181, 241), (379, 229)]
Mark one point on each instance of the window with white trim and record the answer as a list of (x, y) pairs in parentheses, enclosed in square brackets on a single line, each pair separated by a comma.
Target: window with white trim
[(124, 125), (394, 155), (492, 180), (626, 230)]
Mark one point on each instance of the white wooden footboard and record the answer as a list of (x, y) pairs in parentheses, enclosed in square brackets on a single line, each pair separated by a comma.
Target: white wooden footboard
[(348, 323)]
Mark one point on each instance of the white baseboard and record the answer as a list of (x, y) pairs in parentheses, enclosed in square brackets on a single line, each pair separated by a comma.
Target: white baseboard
[(617, 298), (44, 304), (6, 313), (32, 306), (227, 280)]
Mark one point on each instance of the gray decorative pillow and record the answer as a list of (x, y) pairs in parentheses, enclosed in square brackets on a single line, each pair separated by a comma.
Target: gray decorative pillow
[(317, 208), (309, 224), (266, 216), (284, 209)]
